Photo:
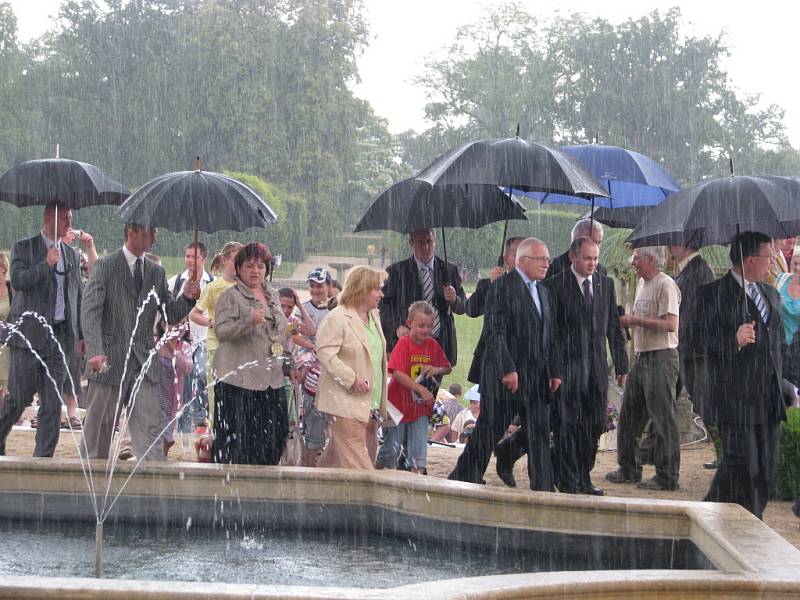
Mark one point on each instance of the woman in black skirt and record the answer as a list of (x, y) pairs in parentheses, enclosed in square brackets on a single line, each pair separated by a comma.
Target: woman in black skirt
[(251, 422)]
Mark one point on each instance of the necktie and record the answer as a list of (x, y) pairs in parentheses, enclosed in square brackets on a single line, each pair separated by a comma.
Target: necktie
[(427, 295), (587, 293), (755, 296), (137, 276), (535, 295)]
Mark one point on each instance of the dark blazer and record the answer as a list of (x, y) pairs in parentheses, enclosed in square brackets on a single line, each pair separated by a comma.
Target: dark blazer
[(474, 306), (744, 386), (403, 287), (694, 274), (109, 310), (580, 343), (516, 339), (34, 284), (562, 263)]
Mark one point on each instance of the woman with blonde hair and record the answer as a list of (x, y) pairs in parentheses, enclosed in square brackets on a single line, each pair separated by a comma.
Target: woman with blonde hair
[(352, 387), (203, 312)]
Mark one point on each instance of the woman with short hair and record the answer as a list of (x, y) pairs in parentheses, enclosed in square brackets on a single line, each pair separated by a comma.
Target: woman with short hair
[(251, 422)]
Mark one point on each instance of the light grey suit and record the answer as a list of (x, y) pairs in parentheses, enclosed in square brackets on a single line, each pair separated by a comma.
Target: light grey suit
[(35, 288), (109, 309)]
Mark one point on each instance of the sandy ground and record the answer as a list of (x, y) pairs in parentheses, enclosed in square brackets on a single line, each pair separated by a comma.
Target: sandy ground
[(694, 480)]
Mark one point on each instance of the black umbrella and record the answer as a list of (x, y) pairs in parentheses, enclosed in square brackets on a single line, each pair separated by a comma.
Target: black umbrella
[(626, 217), (197, 201), (713, 211), (72, 183), (513, 163), (413, 204)]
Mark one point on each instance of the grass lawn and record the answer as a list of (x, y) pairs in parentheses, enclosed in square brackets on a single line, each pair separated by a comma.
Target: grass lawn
[(468, 331)]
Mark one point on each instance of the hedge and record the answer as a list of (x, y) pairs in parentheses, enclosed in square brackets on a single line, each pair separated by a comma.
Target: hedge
[(786, 482)]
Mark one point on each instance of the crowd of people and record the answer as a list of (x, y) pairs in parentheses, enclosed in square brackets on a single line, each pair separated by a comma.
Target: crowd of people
[(225, 354)]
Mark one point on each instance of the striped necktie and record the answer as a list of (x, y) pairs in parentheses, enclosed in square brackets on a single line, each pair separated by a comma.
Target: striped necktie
[(427, 295), (756, 297)]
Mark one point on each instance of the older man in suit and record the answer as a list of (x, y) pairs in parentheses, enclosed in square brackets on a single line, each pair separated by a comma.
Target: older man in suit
[(739, 328), (423, 276), (517, 371), (119, 285), (46, 278)]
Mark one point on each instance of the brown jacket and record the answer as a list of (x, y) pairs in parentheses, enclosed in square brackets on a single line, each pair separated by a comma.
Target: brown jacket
[(343, 350), (242, 341)]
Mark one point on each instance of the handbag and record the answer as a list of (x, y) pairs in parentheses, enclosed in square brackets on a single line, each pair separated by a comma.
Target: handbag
[(293, 452)]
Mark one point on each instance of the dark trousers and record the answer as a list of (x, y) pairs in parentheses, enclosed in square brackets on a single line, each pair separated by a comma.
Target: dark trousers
[(576, 433), (490, 427), (27, 376), (749, 454), (650, 394)]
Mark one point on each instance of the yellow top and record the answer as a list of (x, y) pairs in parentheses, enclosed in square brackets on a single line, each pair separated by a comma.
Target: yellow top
[(208, 304)]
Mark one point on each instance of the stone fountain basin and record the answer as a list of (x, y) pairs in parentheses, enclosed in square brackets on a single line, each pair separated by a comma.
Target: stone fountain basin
[(720, 551)]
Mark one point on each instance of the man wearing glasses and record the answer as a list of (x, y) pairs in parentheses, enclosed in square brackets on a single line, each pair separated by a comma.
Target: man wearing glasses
[(517, 377), (650, 391), (739, 328), (46, 278)]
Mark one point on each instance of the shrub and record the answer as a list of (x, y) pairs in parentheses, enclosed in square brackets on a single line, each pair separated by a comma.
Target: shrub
[(786, 482)]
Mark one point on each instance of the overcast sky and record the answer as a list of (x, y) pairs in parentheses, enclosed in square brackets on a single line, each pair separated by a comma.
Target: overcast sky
[(761, 37)]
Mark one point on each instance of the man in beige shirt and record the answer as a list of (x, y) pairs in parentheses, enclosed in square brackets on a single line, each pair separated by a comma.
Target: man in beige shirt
[(650, 391)]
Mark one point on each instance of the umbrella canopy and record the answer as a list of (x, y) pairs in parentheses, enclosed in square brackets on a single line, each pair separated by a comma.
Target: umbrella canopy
[(626, 217), (197, 201), (630, 178), (713, 211), (72, 183), (512, 163), (413, 204)]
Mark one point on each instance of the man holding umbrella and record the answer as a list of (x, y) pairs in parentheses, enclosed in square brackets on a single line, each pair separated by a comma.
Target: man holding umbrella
[(741, 337), (119, 284), (423, 276), (46, 278)]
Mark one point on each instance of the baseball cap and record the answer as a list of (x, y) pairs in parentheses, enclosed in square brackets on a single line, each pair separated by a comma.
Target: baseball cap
[(319, 275)]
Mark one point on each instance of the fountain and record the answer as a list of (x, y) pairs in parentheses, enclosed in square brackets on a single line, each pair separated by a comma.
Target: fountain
[(527, 545)]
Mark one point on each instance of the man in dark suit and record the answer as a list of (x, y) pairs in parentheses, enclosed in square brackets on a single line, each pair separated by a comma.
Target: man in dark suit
[(739, 328), (423, 276), (586, 316), (46, 277), (119, 284), (478, 298), (584, 321), (517, 371), (582, 228)]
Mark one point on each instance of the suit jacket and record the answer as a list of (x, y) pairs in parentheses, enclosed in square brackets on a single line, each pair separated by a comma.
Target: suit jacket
[(562, 263), (517, 339), (580, 343), (403, 287), (343, 350), (34, 283), (744, 386), (109, 310), (694, 274), (475, 303)]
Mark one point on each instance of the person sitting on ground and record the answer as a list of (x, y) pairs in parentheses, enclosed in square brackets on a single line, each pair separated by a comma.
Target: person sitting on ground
[(452, 405), (440, 420), (417, 365), (467, 417)]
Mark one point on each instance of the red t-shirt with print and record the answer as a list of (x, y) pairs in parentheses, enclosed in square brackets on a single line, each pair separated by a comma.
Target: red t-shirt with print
[(409, 358)]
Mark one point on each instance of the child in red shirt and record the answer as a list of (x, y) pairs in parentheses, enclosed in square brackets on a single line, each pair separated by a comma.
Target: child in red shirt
[(416, 365)]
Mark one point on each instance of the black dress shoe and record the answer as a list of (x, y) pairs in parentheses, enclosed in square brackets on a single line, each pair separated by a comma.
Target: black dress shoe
[(506, 476), (711, 465), (592, 490)]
